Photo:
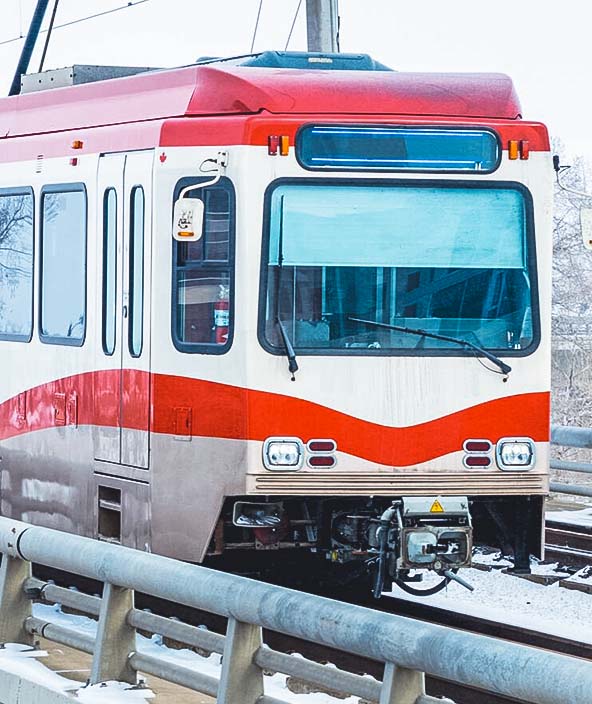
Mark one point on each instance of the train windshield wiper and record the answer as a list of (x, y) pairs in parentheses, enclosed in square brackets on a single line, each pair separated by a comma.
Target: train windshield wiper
[(290, 354), (504, 368)]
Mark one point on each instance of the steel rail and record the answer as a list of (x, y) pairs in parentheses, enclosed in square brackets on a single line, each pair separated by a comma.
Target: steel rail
[(408, 647), (208, 640), (569, 544), (570, 436), (573, 489)]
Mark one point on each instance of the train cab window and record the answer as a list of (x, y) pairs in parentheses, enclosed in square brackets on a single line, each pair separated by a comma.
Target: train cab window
[(109, 269), (203, 275), (16, 264), (366, 268), (136, 271), (63, 265)]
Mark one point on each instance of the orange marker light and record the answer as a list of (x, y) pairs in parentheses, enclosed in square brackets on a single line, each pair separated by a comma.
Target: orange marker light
[(524, 149), (183, 233), (77, 144), (284, 145), (513, 149)]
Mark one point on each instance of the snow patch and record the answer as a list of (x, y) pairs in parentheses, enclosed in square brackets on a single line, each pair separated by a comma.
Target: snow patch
[(275, 685), (583, 517), (21, 660), (508, 599), (584, 576)]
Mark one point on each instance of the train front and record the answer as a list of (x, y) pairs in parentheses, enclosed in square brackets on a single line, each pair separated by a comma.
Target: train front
[(399, 394)]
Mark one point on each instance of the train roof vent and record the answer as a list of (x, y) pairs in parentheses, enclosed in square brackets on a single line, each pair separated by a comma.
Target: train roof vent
[(76, 75), (304, 60)]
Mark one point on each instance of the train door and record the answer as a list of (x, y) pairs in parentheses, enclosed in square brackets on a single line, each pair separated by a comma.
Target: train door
[(122, 391), (135, 329)]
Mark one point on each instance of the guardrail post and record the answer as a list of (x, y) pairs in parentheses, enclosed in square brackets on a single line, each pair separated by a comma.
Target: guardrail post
[(400, 685), (15, 606), (116, 639), (241, 680)]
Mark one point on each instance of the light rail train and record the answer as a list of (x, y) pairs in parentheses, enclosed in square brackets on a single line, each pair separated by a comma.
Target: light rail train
[(275, 311)]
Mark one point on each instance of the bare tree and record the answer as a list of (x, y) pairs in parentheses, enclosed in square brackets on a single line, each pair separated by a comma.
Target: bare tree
[(16, 261), (15, 215), (571, 381)]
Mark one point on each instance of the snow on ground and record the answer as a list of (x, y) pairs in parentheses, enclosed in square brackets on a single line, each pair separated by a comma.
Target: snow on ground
[(582, 517), (275, 685), (509, 599), (500, 597), (583, 576), (22, 660)]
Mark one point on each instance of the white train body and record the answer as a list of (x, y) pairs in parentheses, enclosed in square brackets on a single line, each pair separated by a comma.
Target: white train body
[(146, 395)]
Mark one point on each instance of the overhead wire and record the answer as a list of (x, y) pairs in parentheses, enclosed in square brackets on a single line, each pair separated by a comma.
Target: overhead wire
[(256, 26), (130, 4), (293, 24)]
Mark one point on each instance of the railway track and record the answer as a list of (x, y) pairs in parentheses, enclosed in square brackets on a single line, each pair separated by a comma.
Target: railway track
[(460, 694), (568, 544)]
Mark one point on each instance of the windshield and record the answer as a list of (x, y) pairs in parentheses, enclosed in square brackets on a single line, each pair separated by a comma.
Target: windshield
[(447, 258)]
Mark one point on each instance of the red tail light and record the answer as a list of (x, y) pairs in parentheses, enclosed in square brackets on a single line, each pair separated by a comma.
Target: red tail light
[(477, 461), (321, 446), (321, 461), (477, 446), (273, 144)]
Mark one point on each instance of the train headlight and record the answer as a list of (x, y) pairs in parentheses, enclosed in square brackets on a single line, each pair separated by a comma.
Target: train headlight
[(515, 453), (283, 453)]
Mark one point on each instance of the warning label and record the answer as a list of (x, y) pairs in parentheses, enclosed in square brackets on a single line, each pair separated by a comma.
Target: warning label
[(436, 507)]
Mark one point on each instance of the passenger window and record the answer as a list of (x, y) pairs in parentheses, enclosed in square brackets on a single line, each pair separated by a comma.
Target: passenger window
[(136, 271), (63, 265), (16, 264), (109, 269), (203, 276)]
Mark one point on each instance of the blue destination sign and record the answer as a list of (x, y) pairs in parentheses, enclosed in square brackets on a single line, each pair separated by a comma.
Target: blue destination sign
[(386, 148)]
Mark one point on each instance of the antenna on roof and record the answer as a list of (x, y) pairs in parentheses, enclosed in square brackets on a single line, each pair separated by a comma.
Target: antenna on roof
[(28, 46), (322, 26)]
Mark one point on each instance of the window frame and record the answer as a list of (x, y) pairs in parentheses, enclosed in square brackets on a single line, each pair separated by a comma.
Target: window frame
[(454, 351), (112, 314), (213, 266), (132, 271), (52, 189), (25, 191), (352, 169)]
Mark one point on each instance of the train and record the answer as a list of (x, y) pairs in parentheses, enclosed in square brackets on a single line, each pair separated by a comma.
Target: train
[(285, 313)]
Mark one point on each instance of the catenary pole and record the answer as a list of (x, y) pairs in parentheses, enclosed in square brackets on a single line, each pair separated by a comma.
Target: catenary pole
[(322, 25), (28, 46)]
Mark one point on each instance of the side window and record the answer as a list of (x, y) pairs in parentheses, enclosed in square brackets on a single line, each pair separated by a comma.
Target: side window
[(63, 265), (109, 269), (16, 264), (136, 271), (203, 275)]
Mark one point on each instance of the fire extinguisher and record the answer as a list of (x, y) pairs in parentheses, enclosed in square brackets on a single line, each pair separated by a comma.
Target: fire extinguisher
[(222, 315)]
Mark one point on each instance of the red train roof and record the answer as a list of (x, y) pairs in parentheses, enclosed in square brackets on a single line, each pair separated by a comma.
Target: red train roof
[(233, 90)]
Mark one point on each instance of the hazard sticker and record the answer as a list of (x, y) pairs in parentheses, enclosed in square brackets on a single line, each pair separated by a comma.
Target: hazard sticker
[(436, 507)]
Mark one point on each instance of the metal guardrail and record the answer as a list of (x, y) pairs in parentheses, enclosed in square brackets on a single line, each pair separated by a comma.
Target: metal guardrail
[(569, 436), (410, 649)]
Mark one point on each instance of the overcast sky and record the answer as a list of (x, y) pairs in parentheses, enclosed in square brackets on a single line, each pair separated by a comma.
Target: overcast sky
[(544, 45)]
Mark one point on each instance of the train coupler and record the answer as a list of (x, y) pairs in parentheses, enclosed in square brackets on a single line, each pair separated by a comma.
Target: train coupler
[(433, 533)]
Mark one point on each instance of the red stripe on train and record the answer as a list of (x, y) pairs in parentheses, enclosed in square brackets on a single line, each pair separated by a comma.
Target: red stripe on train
[(225, 411)]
